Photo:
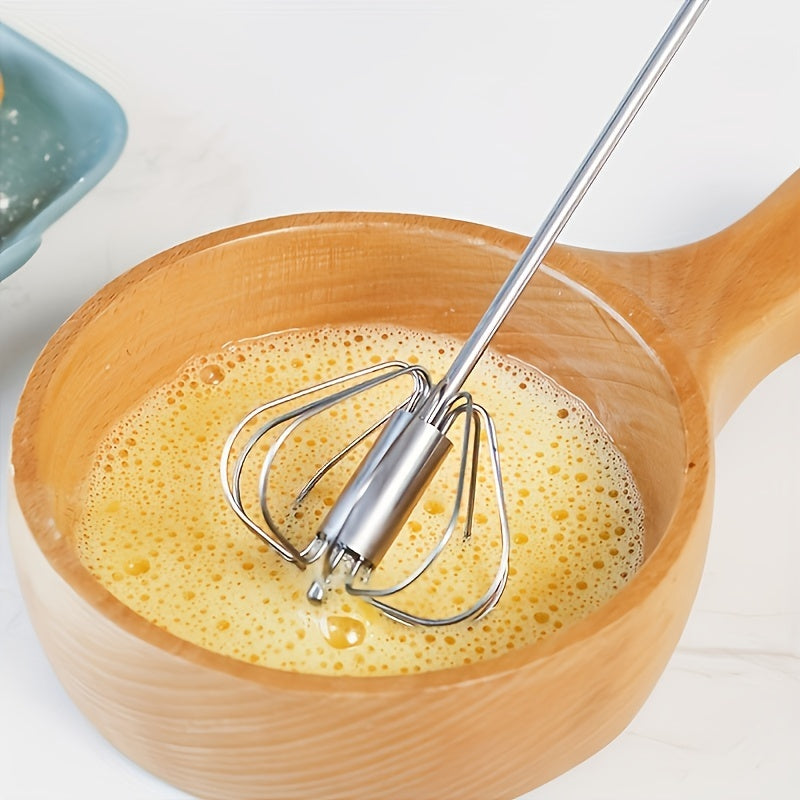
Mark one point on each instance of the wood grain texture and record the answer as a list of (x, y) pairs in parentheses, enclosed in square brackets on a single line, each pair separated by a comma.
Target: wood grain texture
[(661, 345)]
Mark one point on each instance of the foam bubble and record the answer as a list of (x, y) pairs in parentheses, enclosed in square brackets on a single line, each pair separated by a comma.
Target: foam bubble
[(159, 535)]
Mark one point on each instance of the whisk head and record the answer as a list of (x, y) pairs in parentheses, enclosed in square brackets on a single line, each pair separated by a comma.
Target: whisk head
[(346, 547)]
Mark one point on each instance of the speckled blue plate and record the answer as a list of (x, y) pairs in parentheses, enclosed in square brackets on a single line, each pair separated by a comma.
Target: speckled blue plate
[(60, 133)]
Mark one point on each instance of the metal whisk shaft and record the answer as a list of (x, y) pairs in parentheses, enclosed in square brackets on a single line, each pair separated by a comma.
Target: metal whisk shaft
[(387, 485)]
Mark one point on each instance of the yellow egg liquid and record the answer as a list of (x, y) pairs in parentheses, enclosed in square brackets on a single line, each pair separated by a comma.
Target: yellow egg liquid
[(158, 533)]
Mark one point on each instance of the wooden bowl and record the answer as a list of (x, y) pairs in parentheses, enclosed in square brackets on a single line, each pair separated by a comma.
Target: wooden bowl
[(661, 345)]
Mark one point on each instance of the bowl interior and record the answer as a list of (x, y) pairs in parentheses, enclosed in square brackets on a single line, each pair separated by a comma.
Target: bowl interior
[(311, 271)]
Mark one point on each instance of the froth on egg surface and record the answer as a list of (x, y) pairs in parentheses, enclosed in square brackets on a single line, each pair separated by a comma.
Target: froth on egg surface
[(158, 533)]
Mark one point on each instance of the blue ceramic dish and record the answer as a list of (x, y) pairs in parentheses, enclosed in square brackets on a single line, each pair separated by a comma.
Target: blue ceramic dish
[(60, 133)]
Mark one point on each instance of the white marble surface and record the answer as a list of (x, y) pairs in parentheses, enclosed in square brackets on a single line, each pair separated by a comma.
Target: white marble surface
[(479, 111)]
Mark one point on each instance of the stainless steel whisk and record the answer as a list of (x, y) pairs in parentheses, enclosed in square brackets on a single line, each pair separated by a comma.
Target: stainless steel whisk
[(412, 444)]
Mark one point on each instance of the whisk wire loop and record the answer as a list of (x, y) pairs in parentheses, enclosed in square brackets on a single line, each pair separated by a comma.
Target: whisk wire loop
[(467, 409), (491, 596), (291, 419)]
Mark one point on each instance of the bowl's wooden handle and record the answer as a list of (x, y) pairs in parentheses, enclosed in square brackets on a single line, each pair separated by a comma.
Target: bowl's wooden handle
[(732, 300)]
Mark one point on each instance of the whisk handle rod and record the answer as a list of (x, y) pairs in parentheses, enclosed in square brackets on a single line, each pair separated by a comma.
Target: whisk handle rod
[(568, 201)]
